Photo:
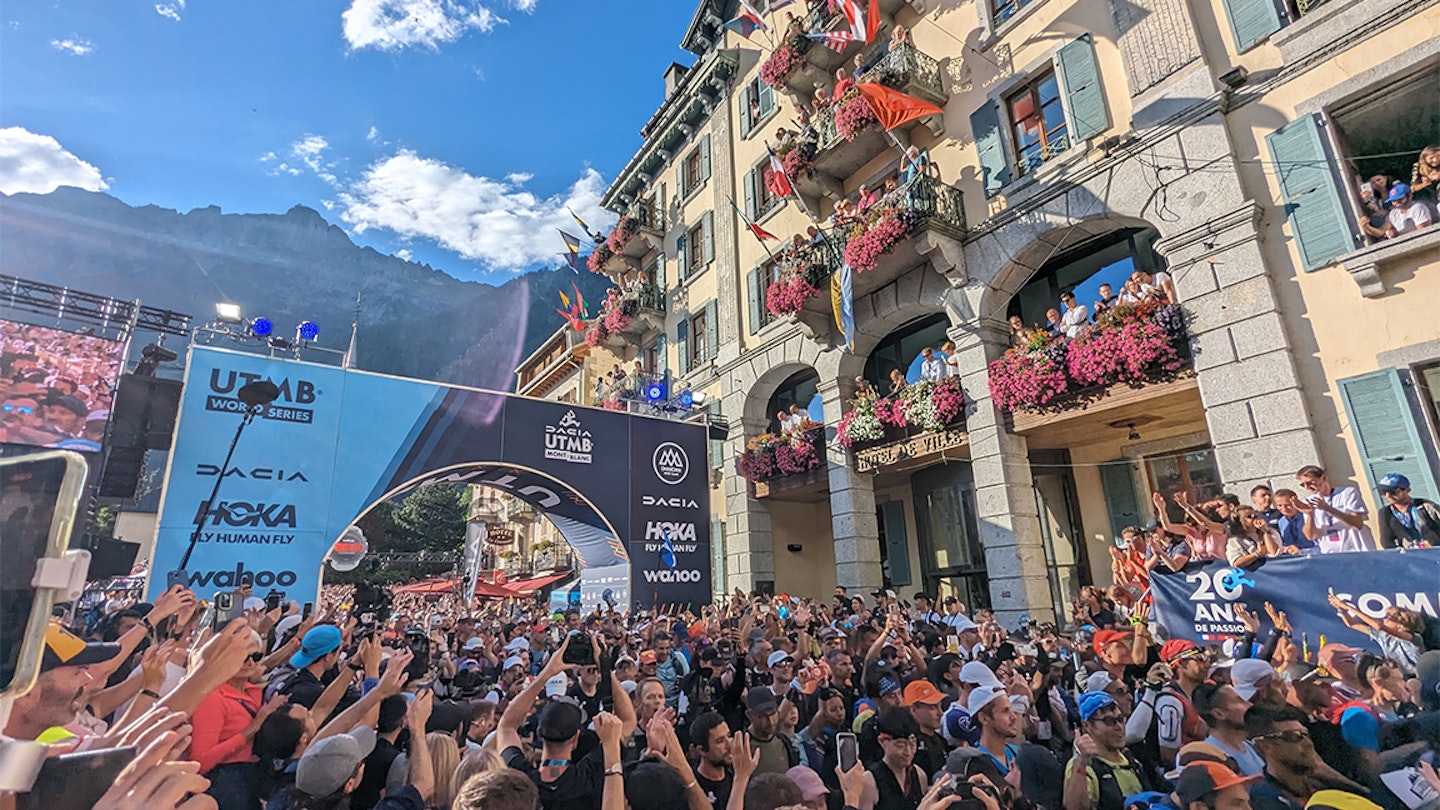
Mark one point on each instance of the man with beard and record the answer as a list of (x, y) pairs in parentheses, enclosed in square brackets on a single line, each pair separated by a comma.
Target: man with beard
[(61, 689), (715, 772), (1279, 733)]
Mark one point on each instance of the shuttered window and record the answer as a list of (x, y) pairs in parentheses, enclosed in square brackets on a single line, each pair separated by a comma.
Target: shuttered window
[(707, 234), (891, 516), (682, 343), (755, 298), (1386, 424), (1251, 21), (1084, 100), (699, 332), (990, 148), (712, 330), (1313, 205), (1118, 482), (1038, 128)]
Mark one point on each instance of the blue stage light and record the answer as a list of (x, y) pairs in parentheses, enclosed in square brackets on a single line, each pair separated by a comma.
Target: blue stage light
[(655, 392), (309, 330), (687, 399), (262, 327)]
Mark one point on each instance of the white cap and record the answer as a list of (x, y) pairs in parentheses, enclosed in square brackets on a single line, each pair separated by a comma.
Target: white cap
[(1247, 675), (983, 696), (1020, 704), (513, 661), (976, 672), (557, 685), (474, 643), (283, 626), (436, 620), (628, 686), (254, 603), (778, 656), (963, 623), (517, 644), (1098, 682)]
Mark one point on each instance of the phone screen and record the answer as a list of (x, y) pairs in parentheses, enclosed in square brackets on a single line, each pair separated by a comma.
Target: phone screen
[(75, 780), (847, 747), (33, 509)]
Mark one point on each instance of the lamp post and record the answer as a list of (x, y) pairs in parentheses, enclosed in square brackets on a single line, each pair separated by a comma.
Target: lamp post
[(256, 395)]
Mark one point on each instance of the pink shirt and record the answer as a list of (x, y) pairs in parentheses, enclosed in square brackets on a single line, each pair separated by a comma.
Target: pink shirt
[(1209, 547)]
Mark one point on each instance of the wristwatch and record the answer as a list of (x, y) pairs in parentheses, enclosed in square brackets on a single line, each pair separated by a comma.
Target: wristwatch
[(615, 770)]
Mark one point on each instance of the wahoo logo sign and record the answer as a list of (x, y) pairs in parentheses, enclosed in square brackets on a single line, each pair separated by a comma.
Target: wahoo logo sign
[(244, 515), (673, 503), (675, 532), (670, 463), (239, 576), (223, 384), (254, 473), (568, 440), (672, 576)]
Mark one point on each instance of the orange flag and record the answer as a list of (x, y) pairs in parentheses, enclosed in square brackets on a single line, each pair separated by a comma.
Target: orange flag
[(893, 107)]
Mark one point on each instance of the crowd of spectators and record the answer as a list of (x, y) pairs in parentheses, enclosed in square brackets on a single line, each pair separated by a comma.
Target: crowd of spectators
[(1392, 207), (1072, 318), (56, 388), (752, 702)]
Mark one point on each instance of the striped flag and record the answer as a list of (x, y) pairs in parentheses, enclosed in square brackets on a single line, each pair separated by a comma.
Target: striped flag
[(748, 22), (585, 229), (864, 22), (760, 233), (572, 251), (842, 298), (780, 180), (836, 41)]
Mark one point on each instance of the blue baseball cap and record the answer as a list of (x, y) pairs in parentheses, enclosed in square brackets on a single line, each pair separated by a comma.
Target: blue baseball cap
[(1092, 702), (1393, 481), (319, 642), (1398, 192)]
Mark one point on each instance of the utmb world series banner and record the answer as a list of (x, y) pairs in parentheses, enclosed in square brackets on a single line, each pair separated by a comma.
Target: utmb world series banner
[(1199, 602), (624, 490)]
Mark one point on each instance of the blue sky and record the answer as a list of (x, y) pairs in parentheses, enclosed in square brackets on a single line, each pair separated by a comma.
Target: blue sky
[(450, 131)]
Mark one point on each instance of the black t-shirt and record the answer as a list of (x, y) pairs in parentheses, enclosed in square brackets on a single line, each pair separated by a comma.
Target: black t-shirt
[(930, 753), (579, 787), (303, 688), (590, 703), (718, 791)]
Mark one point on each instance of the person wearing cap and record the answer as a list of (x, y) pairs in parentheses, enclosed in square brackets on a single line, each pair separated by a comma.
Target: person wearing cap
[(925, 609), (60, 691), (1257, 681), (957, 725), (776, 750), (1334, 516), (816, 741), (564, 784), (812, 788), (1223, 710), (1176, 720), (1406, 521), (1406, 214), (894, 782), (782, 673), (64, 415), (332, 768), (1101, 774), (1212, 786), (924, 700), (989, 708), (889, 694), (319, 653)]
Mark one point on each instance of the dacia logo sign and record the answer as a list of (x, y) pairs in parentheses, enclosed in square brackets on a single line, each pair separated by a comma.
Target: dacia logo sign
[(242, 514), (672, 503), (670, 463), (225, 384), (255, 473), (677, 532), (568, 440)]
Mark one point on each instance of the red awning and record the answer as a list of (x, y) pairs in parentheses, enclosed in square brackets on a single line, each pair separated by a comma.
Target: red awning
[(527, 587), (492, 591), (429, 586)]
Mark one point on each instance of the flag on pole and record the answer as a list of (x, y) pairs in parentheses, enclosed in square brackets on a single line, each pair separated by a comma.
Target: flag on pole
[(864, 21), (842, 299), (748, 22), (760, 233), (585, 229), (572, 252), (893, 107), (836, 41), (779, 179)]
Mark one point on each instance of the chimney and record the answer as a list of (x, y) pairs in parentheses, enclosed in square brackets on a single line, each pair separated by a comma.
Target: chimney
[(673, 76)]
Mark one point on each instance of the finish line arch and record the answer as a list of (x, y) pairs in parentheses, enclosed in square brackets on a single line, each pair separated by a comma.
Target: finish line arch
[(339, 441)]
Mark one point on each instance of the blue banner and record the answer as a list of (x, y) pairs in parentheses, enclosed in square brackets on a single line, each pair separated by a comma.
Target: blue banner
[(1198, 603), (337, 442)]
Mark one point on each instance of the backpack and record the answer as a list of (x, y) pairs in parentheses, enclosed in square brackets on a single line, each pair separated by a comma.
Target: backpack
[(1111, 796)]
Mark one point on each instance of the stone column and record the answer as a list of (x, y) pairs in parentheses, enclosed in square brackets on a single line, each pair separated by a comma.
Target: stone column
[(852, 509), (1004, 493), (749, 543), (730, 289)]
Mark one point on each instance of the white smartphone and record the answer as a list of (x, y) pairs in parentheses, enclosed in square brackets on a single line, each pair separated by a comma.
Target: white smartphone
[(847, 749)]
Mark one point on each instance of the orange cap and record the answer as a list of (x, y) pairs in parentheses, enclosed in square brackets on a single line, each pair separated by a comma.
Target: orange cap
[(922, 691)]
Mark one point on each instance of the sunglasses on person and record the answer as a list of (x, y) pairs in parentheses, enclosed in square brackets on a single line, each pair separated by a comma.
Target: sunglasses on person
[(1111, 719), (257, 657), (23, 410), (1292, 737)]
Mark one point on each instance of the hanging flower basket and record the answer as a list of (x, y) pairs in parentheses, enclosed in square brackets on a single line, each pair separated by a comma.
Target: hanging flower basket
[(596, 334), (853, 115), (599, 257), (624, 231), (787, 295), (860, 424), (1131, 353), (784, 61), (797, 163), (865, 248)]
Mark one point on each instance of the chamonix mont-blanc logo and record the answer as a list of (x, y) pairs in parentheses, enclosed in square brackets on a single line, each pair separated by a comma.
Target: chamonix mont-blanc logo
[(670, 463), (568, 440)]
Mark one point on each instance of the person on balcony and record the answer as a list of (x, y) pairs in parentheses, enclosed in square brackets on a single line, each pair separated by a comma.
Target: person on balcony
[(822, 100), (952, 360), (843, 82), (1291, 524), (1108, 299), (1406, 521), (1054, 324), (1334, 516), (900, 38), (1425, 177), (1157, 285), (932, 368), (865, 198), (1372, 199), (864, 391), (1019, 333), (897, 381), (1131, 292), (1406, 214), (916, 163), (1077, 316)]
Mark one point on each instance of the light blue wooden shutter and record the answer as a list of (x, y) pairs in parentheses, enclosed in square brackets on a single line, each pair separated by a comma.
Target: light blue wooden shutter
[(755, 293), (1084, 99), (749, 183), (682, 268), (712, 330), (684, 182), (897, 545), (767, 99), (704, 159), (717, 558), (1313, 204), (746, 119), (661, 359), (707, 233), (1251, 21), (682, 342), (1118, 482), (1384, 419), (660, 281), (990, 148)]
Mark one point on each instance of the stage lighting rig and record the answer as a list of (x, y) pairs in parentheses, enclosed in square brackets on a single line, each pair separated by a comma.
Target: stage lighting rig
[(228, 313), (262, 327), (307, 332)]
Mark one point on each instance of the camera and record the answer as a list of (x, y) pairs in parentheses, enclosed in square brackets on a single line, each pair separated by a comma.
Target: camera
[(966, 791), (579, 653), (371, 609), (419, 644)]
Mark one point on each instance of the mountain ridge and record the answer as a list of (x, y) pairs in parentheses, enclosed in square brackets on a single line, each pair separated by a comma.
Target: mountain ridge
[(415, 320)]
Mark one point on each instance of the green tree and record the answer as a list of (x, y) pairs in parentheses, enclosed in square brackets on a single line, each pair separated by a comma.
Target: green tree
[(432, 518)]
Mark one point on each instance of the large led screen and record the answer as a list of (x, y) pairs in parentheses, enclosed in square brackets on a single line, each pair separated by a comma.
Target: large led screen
[(56, 387)]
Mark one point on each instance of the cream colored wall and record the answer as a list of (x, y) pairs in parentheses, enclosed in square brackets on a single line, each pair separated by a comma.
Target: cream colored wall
[(138, 527), (812, 571)]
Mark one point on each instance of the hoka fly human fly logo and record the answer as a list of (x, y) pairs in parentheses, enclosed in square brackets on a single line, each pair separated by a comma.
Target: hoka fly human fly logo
[(568, 440)]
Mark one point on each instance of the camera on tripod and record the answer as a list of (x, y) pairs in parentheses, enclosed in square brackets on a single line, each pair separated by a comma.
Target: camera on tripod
[(371, 608)]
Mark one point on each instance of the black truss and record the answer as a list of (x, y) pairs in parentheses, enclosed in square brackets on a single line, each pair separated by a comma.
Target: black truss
[(89, 308)]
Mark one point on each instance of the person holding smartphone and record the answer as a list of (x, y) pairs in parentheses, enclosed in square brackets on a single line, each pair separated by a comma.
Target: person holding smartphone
[(1334, 516)]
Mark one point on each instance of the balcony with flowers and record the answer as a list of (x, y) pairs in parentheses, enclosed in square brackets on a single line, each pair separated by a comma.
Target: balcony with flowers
[(1127, 362), (909, 426), (920, 222), (639, 232), (786, 462), (627, 316), (799, 63)]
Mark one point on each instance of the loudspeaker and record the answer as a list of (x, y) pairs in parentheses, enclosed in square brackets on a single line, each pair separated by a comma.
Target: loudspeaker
[(144, 411), (111, 558), (121, 475)]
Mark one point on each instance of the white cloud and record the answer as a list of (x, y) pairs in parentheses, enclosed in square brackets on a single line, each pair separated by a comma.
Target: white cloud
[(403, 253), (309, 150), (39, 164), (75, 46), (170, 11), (372, 134), (527, 6), (394, 25), (496, 222)]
